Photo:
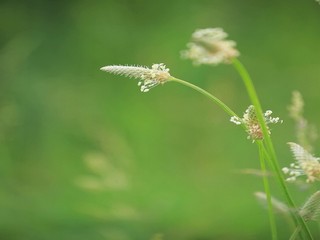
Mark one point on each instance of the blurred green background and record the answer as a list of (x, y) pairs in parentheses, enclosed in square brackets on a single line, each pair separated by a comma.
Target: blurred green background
[(85, 155)]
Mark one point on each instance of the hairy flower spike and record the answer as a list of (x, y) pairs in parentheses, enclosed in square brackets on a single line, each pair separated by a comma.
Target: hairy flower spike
[(208, 46), (306, 133), (250, 121), (310, 211), (305, 164), (149, 78), (296, 107)]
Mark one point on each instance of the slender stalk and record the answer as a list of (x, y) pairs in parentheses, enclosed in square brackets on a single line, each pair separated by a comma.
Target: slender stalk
[(267, 191), (207, 94), (295, 233), (269, 145), (292, 213)]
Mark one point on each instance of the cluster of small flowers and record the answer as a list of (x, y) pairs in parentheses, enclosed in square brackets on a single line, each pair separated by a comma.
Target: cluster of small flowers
[(149, 78), (250, 121), (306, 164), (208, 46)]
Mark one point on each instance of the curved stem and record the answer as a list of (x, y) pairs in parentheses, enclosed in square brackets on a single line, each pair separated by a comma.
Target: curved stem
[(207, 94), (270, 149)]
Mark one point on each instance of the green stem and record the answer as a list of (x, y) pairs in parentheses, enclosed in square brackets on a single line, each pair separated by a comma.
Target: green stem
[(267, 191), (270, 149), (283, 186), (295, 233), (207, 94)]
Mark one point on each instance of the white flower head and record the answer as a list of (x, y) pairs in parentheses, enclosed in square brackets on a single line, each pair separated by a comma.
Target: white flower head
[(250, 121), (208, 46), (305, 164), (149, 77)]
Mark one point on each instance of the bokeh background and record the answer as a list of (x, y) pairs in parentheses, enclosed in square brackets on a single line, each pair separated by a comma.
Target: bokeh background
[(86, 155)]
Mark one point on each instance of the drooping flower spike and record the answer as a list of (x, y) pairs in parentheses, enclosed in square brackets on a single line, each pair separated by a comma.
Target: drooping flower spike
[(148, 77)]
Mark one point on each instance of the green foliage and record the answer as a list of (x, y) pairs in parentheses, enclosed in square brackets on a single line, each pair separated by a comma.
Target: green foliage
[(171, 156)]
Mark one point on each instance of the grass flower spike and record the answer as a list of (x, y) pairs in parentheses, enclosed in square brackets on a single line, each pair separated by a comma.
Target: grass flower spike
[(149, 77), (296, 107), (306, 133), (306, 164), (208, 46), (310, 211), (250, 121)]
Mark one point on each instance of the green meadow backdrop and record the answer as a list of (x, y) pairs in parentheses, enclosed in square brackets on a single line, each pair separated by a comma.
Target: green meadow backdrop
[(86, 155)]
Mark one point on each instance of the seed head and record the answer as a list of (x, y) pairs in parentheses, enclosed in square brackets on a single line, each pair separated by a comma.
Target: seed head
[(296, 107), (310, 211), (305, 164), (148, 77), (306, 133), (208, 46), (250, 121)]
